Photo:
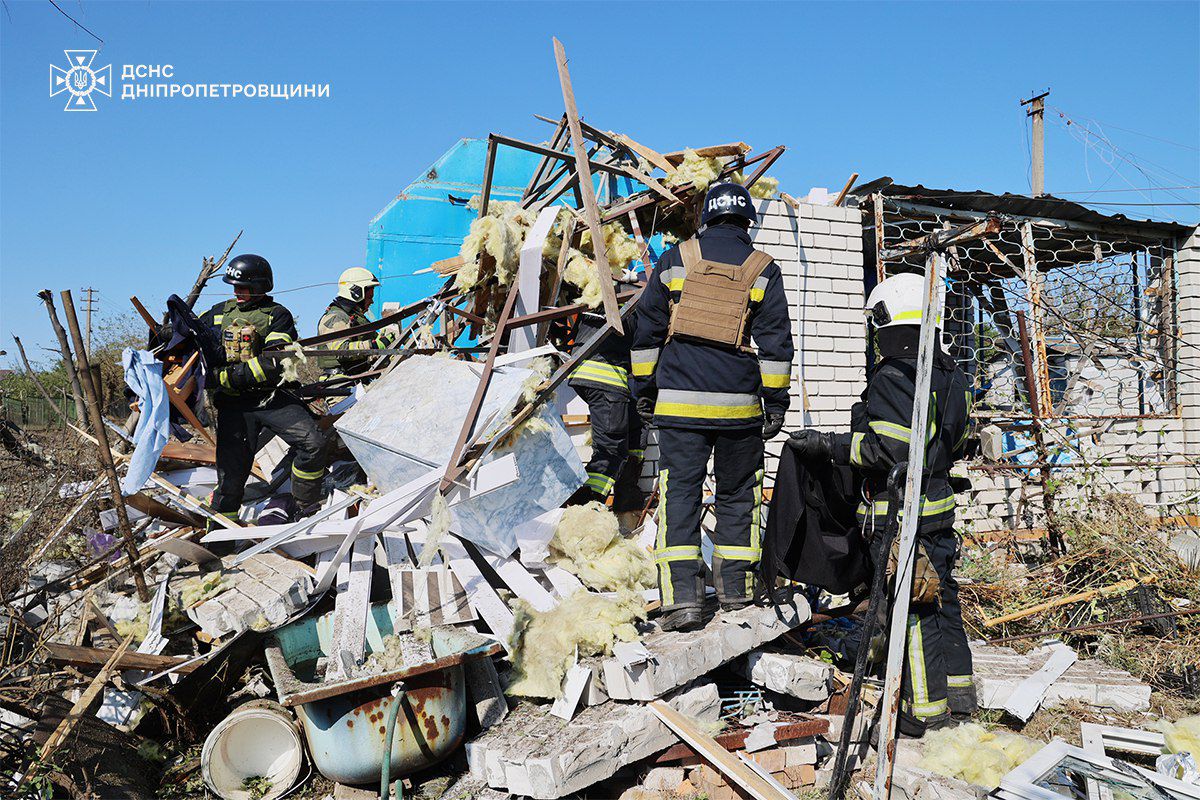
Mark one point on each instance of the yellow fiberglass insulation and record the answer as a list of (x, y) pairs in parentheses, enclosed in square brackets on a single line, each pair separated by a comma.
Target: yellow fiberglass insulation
[(695, 169), (439, 526), (544, 643), (581, 273), (1182, 736), (975, 754), (588, 543), (541, 368), (619, 246), (764, 188), (291, 364), (500, 235)]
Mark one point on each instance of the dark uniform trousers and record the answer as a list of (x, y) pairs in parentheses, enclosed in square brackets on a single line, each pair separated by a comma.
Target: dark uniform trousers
[(937, 674), (618, 445), (237, 439), (738, 468)]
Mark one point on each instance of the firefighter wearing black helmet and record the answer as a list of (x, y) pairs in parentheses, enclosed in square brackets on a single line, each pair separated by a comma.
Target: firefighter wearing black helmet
[(712, 394), (250, 394)]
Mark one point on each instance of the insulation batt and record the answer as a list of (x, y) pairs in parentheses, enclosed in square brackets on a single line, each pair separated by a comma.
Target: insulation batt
[(500, 234), (1182, 736), (544, 644), (588, 543), (975, 754), (439, 526)]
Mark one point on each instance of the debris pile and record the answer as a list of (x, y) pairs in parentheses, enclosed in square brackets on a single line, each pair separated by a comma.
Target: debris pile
[(447, 613)]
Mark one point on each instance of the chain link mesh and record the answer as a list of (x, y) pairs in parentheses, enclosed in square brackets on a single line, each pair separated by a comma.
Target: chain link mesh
[(1100, 323)]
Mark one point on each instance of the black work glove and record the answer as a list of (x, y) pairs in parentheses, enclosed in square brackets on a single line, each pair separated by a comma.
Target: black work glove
[(645, 408), (772, 424), (811, 445)]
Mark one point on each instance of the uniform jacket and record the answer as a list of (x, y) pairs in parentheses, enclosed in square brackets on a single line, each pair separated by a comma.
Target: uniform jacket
[(608, 367), (880, 428), (251, 384), (340, 315), (702, 385)]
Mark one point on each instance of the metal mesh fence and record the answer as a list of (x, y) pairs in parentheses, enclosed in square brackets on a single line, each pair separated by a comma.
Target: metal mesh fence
[(1098, 317)]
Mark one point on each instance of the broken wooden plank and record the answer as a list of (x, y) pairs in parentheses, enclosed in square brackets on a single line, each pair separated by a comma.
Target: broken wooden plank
[(99, 656), (81, 705), (654, 157), (714, 151), (716, 755), (612, 312)]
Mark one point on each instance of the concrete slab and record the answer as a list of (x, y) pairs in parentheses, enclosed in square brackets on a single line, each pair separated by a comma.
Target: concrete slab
[(1000, 670), (677, 658), (543, 757)]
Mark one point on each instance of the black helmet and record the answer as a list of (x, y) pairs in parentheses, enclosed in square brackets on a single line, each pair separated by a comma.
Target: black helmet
[(728, 200), (250, 270)]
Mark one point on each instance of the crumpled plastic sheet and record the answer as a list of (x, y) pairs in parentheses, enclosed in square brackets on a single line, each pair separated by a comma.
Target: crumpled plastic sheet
[(144, 376)]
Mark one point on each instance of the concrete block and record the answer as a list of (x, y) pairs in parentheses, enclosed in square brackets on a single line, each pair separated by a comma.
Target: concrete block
[(677, 658), (786, 673), (999, 670), (544, 757), (796, 755)]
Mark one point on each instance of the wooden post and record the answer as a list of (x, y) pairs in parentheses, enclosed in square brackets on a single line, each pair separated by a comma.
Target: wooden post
[(65, 348), (96, 417), (1037, 110), (1048, 491), (591, 211)]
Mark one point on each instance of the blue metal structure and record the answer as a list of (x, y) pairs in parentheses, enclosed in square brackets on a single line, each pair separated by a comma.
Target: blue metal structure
[(428, 220)]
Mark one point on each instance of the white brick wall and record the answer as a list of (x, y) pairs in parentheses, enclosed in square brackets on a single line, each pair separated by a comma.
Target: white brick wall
[(819, 250)]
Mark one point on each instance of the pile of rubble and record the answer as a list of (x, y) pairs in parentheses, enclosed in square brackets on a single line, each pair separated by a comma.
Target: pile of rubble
[(440, 616)]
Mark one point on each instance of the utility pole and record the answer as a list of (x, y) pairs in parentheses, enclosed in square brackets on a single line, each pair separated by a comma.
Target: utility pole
[(1037, 109), (89, 302)]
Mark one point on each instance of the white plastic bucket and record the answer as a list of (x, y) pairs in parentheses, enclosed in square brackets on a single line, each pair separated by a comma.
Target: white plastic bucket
[(259, 738)]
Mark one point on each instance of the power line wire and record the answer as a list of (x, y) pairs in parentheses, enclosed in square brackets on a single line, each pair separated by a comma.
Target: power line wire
[(77, 23)]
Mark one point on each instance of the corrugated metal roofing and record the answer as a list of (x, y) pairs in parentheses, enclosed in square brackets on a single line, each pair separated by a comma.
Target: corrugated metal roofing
[(1048, 206)]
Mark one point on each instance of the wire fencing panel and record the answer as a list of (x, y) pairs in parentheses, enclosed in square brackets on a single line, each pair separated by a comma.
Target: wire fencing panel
[(1100, 318)]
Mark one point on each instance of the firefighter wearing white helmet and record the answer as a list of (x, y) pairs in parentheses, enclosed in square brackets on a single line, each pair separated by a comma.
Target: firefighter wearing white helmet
[(937, 681), (355, 294)]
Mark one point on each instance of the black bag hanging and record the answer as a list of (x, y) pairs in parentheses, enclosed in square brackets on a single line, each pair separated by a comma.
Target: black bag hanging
[(812, 535)]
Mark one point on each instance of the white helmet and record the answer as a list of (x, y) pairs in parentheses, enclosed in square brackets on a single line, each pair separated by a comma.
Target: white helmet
[(354, 282), (898, 300)]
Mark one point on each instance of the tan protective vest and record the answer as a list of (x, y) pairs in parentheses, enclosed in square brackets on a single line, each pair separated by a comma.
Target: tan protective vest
[(715, 300)]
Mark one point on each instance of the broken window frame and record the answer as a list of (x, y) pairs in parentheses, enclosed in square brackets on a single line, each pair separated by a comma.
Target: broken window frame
[(1021, 782)]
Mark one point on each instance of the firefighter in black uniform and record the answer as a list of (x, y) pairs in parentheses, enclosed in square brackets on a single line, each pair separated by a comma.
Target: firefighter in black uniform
[(618, 432), (249, 393), (710, 394), (937, 677)]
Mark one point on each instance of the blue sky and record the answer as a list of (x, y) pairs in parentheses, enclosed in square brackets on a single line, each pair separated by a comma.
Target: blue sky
[(129, 198)]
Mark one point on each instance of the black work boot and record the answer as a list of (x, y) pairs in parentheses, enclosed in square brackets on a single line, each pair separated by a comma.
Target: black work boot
[(736, 603), (682, 619)]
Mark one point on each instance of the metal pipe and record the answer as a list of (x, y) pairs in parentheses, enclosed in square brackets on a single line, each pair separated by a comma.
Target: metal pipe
[(1094, 626), (386, 770)]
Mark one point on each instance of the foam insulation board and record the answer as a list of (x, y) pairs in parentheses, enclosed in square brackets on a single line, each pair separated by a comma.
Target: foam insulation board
[(398, 434)]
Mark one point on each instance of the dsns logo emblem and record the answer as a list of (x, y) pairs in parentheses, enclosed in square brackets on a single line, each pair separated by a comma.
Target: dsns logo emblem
[(80, 80)]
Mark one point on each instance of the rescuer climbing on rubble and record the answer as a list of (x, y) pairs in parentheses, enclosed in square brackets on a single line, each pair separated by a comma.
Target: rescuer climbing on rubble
[(618, 432), (251, 395), (355, 294), (710, 394), (937, 677)]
